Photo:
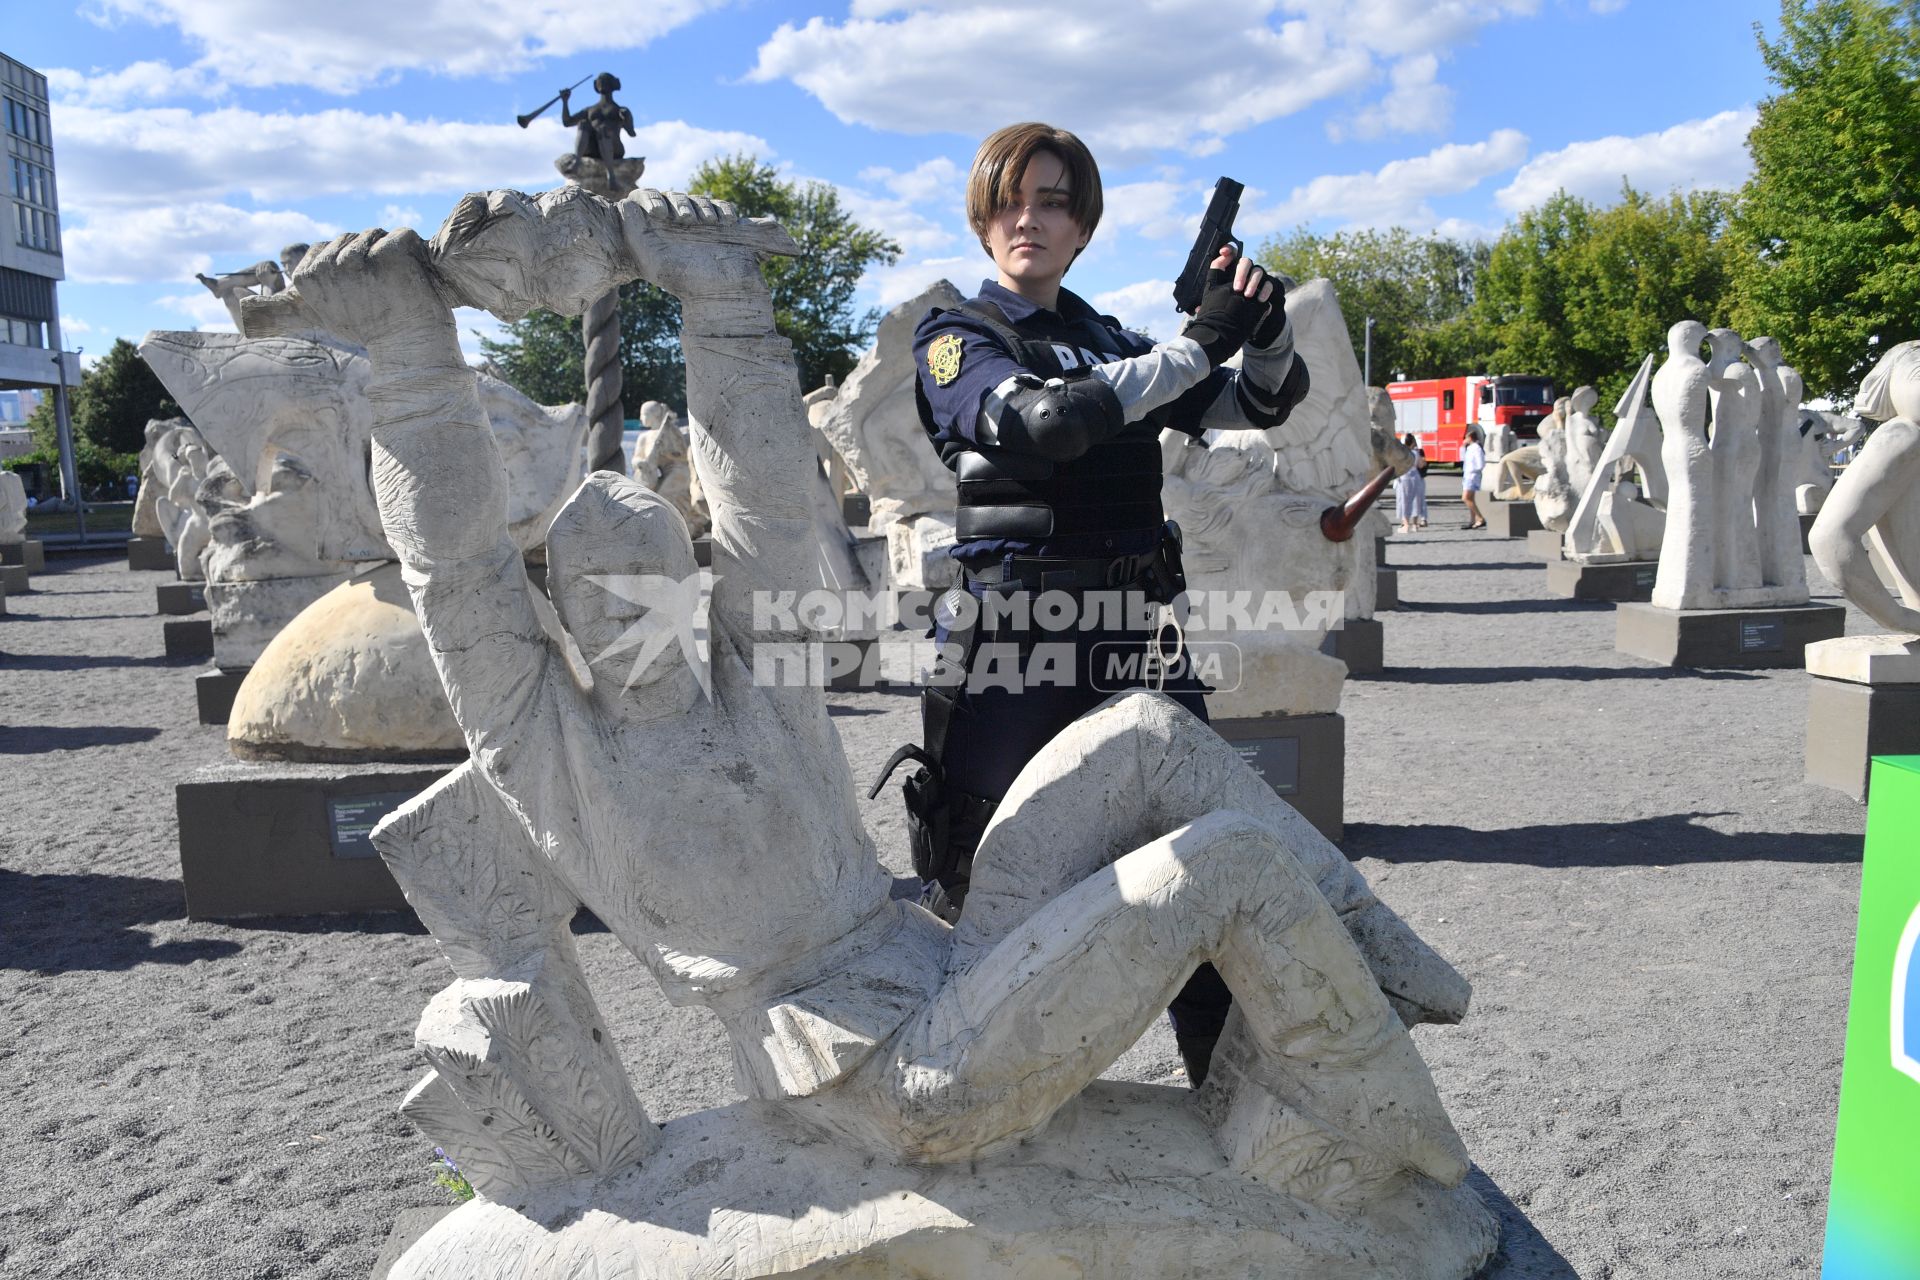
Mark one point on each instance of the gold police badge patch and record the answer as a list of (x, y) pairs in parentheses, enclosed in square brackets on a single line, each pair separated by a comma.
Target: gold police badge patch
[(943, 358)]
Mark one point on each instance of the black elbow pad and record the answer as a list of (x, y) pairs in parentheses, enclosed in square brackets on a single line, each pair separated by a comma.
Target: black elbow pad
[(1058, 419)]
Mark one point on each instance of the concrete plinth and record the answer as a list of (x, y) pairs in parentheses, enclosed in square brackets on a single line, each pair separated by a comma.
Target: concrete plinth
[(1848, 724), (1304, 760), (180, 597), (1386, 589), (30, 554), (13, 578), (214, 692), (289, 839), (1546, 544), (1773, 636), (189, 638), (1512, 519), (149, 554), (856, 509), (1621, 581), (1361, 644)]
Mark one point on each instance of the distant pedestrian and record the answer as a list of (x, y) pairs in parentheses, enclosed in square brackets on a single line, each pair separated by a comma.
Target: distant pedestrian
[(1410, 489), (1473, 465)]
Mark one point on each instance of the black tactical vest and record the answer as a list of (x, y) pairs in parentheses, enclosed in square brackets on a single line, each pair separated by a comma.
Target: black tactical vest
[(1112, 488)]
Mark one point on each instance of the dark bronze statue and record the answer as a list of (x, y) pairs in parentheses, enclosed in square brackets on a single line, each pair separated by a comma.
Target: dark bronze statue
[(599, 127)]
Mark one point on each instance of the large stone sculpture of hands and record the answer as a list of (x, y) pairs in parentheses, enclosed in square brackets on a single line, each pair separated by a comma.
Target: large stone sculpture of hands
[(377, 288), (510, 253)]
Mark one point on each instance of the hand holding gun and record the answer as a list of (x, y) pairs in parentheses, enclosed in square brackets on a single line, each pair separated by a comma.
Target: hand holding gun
[(1216, 230)]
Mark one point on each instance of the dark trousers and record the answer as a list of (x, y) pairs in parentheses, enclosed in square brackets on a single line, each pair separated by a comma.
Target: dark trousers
[(995, 731)]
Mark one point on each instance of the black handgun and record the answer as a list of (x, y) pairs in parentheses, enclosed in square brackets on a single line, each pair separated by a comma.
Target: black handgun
[(1216, 229)]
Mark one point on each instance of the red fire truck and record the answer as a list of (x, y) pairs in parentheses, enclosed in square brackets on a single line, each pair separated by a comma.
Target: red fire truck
[(1437, 410)]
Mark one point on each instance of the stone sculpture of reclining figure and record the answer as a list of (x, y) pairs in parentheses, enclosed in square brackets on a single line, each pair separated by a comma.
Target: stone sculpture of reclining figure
[(710, 818)]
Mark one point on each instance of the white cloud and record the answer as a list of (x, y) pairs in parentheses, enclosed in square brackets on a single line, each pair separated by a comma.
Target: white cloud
[(1157, 209), (173, 241), (347, 45), (70, 325), (1417, 103), (139, 82), (205, 311), (1132, 78), (1146, 307), (1708, 154), (936, 181), (888, 287), (393, 216), (167, 153), (1396, 193), (1607, 6)]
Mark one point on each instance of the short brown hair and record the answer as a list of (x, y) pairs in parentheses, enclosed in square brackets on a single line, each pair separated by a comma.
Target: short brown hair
[(1001, 164)]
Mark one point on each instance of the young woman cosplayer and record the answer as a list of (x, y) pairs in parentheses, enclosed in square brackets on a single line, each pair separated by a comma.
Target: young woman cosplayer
[(1050, 415)]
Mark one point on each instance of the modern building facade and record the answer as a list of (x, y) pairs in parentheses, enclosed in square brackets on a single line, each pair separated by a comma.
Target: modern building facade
[(30, 263)]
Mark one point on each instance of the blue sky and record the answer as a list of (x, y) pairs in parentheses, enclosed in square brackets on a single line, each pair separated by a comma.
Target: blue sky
[(201, 135)]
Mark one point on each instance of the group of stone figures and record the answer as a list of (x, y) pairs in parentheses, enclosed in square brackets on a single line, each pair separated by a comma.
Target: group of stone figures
[(921, 1100), (1709, 467)]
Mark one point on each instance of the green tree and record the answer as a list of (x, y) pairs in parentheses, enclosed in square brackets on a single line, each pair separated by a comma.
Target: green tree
[(544, 357), (115, 398), (44, 426), (1417, 289), (1830, 219), (1581, 293), (813, 292)]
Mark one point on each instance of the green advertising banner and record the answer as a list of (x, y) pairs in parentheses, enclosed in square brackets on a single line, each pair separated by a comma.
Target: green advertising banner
[(1873, 1208)]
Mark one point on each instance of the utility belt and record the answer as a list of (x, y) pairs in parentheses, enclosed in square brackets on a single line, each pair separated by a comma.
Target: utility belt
[(944, 824)]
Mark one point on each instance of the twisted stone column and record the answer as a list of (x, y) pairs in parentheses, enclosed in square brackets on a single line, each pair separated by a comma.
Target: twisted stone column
[(601, 328)]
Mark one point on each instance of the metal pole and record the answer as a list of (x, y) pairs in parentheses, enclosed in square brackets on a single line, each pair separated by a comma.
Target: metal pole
[(1366, 373), (63, 425)]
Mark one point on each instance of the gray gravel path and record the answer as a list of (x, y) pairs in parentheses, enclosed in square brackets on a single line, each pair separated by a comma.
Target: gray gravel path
[(1655, 911)]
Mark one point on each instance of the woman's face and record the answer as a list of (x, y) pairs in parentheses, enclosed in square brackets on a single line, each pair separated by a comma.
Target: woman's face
[(1033, 240)]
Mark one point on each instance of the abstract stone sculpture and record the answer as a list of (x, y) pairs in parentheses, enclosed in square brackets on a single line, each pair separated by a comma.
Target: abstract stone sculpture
[(1553, 493), (1248, 504), (1822, 436), (257, 281), (1710, 556), (181, 461), (661, 462), (13, 508), (894, 1066), (1585, 441), (1618, 519)]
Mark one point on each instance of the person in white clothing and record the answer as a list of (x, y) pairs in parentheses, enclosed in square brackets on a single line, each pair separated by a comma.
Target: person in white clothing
[(1473, 465)]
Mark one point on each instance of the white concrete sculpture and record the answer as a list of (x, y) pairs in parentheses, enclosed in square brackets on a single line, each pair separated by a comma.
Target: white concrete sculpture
[(181, 461), (1585, 440), (13, 508), (661, 462), (1710, 557), (894, 1066), (873, 427), (1872, 505), (1249, 504), (1553, 494), (146, 516), (1388, 451), (1775, 516), (1619, 519), (257, 281), (1822, 436)]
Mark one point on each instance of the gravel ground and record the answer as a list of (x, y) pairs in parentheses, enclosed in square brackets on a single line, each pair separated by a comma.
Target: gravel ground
[(1655, 911)]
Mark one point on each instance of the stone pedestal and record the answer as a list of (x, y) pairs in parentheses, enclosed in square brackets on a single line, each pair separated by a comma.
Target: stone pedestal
[(1125, 1182), (1775, 636), (1304, 760), (289, 839), (180, 597), (1621, 581), (856, 509), (214, 692), (1361, 644), (31, 554), (1546, 544), (189, 638), (13, 578), (1863, 701), (149, 553), (1386, 589), (1511, 519)]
